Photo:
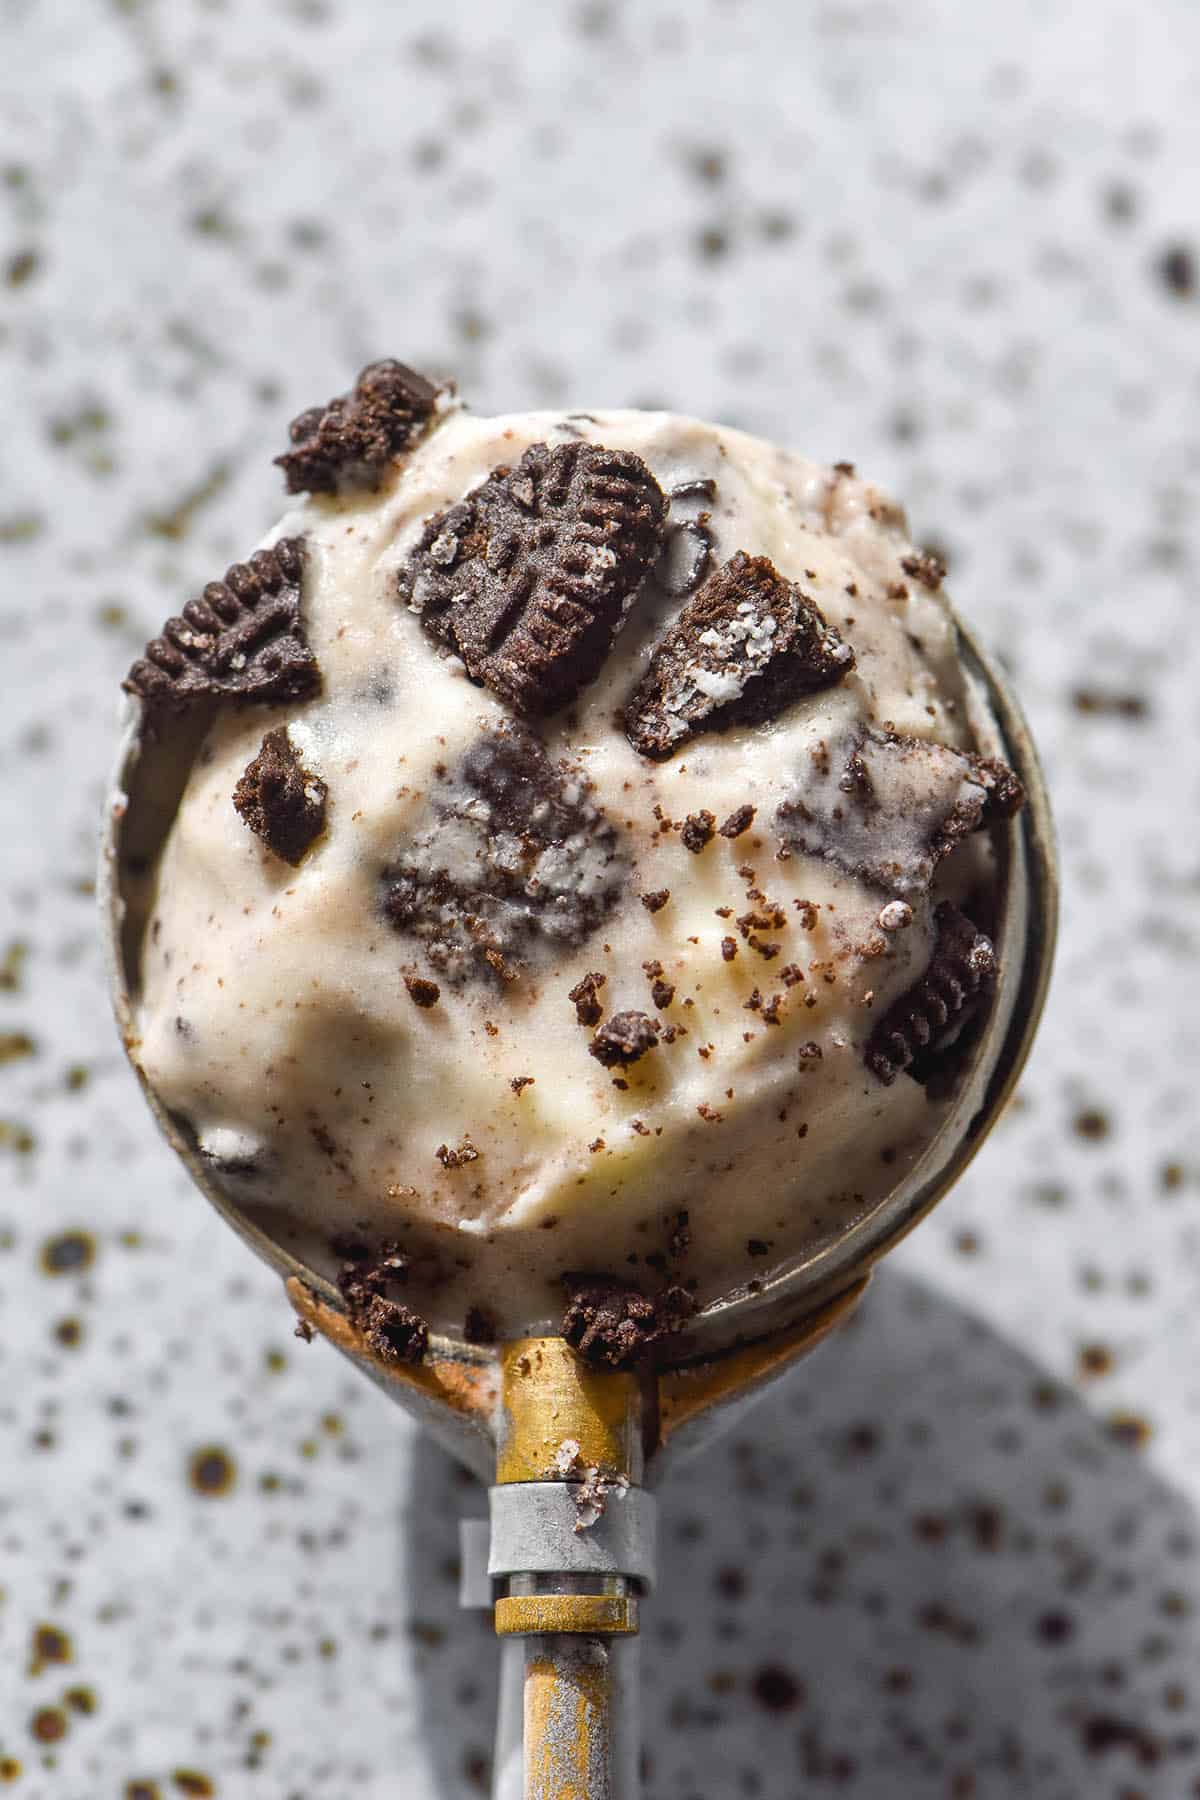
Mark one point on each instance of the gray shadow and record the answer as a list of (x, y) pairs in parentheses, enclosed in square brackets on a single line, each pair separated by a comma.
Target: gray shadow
[(920, 1571)]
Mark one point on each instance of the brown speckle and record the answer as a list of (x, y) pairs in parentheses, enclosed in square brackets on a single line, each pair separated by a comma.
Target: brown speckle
[(212, 1471), (49, 1725), (421, 992), (71, 1253), (656, 899)]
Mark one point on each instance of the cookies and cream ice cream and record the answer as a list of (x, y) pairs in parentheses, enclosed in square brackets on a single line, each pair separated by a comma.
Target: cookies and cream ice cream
[(583, 867)]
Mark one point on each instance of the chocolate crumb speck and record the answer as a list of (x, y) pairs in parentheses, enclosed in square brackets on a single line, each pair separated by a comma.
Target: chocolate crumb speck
[(519, 1083), (625, 1038), (739, 820), (926, 567), (457, 1159), (698, 830), (393, 1331), (421, 992), (615, 1326), (586, 996), (656, 899), (729, 948)]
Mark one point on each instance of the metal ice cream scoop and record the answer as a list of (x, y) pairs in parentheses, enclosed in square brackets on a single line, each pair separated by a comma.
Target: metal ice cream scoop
[(572, 1454)]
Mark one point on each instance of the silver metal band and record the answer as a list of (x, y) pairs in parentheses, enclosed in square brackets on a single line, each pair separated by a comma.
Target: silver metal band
[(535, 1531)]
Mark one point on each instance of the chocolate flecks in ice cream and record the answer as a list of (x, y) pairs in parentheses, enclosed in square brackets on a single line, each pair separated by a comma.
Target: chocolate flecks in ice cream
[(920, 1024), (530, 577), (615, 1326), (349, 443), (426, 1031), (243, 639), (517, 862), (743, 649), (281, 801)]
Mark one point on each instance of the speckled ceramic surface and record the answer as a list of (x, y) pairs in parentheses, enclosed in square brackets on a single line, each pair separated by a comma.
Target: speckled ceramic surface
[(957, 1557)]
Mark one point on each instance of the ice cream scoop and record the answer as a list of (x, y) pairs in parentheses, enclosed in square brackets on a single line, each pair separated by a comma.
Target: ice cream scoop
[(587, 860), (577, 878)]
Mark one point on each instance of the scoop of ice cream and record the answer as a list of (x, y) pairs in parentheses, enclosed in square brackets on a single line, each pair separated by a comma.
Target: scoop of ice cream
[(584, 865)]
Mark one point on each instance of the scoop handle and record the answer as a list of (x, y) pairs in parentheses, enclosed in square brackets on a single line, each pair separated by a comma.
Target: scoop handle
[(568, 1724)]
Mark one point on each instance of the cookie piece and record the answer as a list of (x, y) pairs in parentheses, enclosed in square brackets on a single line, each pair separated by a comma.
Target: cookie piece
[(281, 801), (242, 640), (743, 649), (925, 1021), (517, 863), (614, 1326), (624, 1039), (530, 576), (346, 445), (394, 1331), (887, 808)]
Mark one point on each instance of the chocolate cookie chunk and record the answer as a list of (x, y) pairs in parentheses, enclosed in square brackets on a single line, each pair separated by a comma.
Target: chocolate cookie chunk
[(348, 444), (743, 649), (530, 577), (888, 808), (392, 1330), (281, 801), (926, 1020), (517, 862), (614, 1326), (242, 640), (623, 1039)]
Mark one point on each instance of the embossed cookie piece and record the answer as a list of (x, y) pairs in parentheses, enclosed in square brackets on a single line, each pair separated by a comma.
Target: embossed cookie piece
[(615, 1326), (517, 862), (887, 808), (347, 445), (281, 801), (746, 645), (925, 1021), (530, 576), (242, 640)]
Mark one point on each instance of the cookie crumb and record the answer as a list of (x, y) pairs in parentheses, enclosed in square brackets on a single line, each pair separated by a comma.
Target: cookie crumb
[(281, 801), (421, 992), (740, 820), (656, 899), (698, 830), (586, 996), (624, 1039)]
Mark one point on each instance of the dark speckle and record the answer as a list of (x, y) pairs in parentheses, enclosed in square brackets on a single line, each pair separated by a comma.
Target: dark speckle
[(21, 268), (776, 1689), (1092, 1124), (190, 1781), (71, 1253), (212, 1471), (49, 1724), (1176, 269)]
